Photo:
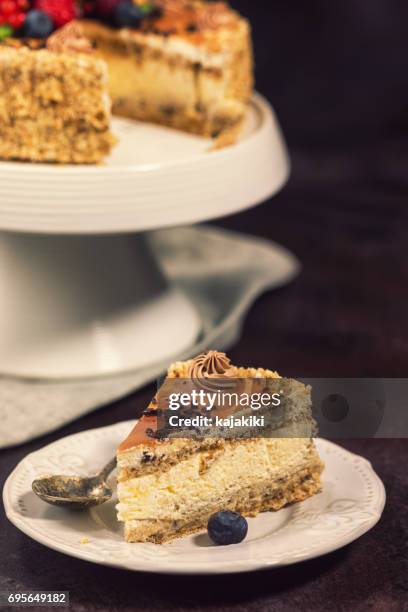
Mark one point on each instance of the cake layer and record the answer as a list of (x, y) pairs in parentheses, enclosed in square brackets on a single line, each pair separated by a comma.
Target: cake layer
[(206, 475), (248, 478), (53, 107)]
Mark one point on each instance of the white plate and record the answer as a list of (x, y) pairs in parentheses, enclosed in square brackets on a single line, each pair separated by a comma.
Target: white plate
[(351, 503)]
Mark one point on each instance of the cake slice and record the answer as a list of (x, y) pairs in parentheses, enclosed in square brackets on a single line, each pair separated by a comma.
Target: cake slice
[(169, 487), (188, 67), (54, 106)]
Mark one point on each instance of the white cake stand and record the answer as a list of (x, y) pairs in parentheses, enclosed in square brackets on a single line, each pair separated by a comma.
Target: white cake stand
[(81, 295)]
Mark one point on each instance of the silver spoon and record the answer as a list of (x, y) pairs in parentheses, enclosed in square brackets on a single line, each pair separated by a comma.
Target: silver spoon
[(75, 492)]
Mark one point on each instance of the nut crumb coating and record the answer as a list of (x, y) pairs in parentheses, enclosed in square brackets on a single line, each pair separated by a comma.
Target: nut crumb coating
[(53, 107)]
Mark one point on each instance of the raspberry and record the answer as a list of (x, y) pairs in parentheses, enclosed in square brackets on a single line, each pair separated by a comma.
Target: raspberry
[(17, 20), (13, 12), (60, 11), (8, 7)]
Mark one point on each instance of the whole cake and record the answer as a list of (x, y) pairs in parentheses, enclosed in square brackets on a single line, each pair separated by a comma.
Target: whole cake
[(185, 64), (169, 487)]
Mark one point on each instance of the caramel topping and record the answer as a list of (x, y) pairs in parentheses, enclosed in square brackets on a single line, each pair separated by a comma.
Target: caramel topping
[(141, 434), (211, 365), (68, 39)]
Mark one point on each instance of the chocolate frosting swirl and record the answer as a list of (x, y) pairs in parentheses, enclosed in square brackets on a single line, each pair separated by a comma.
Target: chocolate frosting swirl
[(211, 365)]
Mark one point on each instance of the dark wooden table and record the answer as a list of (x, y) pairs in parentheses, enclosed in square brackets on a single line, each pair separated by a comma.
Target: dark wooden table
[(336, 73)]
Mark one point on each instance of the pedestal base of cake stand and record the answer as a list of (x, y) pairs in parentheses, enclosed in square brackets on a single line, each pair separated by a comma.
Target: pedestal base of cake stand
[(80, 295), (87, 306)]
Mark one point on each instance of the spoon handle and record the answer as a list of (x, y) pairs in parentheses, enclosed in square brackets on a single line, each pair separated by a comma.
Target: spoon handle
[(109, 467)]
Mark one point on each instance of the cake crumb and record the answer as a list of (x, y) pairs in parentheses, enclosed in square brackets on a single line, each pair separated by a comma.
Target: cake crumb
[(84, 541)]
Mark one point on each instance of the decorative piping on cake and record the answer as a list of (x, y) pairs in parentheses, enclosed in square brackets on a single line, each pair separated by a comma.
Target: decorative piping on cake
[(69, 38), (211, 365), (212, 370)]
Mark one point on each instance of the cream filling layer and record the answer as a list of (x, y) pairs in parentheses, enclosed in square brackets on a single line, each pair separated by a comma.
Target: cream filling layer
[(177, 46), (201, 480)]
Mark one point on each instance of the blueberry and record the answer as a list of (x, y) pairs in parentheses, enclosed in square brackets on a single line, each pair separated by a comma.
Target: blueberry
[(37, 24), (227, 527), (128, 15)]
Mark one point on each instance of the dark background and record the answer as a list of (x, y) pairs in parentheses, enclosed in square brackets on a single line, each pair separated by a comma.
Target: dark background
[(336, 72)]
